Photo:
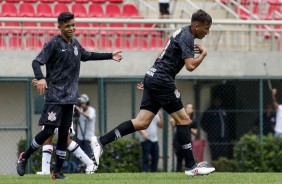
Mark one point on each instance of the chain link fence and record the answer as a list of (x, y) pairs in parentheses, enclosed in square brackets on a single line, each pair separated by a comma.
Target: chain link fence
[(225, 109)]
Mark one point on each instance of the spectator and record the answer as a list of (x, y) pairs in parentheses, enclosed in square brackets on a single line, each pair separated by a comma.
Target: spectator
[(269, 118), (214, 124), (193, 127), (164, 9), (150, 145), (278, 108), (85, 125)]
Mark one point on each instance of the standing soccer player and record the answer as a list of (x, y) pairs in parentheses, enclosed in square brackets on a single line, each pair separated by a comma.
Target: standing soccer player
[(62, 56), (160, 91)]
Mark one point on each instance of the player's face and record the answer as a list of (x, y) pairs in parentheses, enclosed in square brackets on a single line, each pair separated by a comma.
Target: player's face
[(67, 28), (202, 29)]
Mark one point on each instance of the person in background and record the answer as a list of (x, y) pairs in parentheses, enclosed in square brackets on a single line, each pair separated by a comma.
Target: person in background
[(278, 108)]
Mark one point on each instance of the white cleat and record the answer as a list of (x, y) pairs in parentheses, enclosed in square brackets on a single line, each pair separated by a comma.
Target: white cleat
[(90, 169), (96, 148), (43, 173), (200, 169)]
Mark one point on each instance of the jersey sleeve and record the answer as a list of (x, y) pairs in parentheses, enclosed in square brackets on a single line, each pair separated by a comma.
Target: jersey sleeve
[(88, 56), (46, 53), (186, 44)]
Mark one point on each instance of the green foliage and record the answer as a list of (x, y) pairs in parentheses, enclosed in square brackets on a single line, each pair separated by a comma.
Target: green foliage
[(251, 155), (124, 155), (223, 164)]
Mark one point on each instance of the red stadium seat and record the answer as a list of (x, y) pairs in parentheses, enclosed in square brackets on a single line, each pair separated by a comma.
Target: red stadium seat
[(243, 14), (157, 42), (15, 42), (99, 1), (64, 1), (14, 31), (2, 42), (87, 42), (122, 43), (116, 26), (140, 43), (104, 43), (270, 15), (13, 1), (26, 10), (30, 1), (81, 25), (130, 10), (44, 10), (112, 10), (96, 25), (48, 1), (95, 10), (81, 1), (9, 10), (59, 8), (115, 1), (33, 43), (79, 10)]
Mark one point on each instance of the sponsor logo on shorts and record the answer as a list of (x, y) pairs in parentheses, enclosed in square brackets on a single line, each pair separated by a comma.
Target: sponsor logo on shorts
[(52, 116), (177, 93)]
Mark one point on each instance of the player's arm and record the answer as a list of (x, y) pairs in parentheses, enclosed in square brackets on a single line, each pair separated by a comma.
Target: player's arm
[(192, 63), (274, 99)]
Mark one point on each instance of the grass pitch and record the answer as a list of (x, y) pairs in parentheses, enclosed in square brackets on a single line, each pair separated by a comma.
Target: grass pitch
[(148, 178)]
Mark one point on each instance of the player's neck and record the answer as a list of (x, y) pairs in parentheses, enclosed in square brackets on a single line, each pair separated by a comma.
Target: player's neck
[(67, 39)]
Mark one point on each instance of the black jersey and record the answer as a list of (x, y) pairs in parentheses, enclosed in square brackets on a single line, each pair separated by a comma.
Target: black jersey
[(62, 62), (171, 61)]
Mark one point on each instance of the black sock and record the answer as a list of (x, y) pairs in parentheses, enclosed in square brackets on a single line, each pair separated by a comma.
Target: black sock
[(39, 139), (121, 130), (61, 149), (184, 138)]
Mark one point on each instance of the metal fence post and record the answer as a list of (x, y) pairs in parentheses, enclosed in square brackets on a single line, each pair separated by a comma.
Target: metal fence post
[(261, 110), (28, 115), (102, 106)]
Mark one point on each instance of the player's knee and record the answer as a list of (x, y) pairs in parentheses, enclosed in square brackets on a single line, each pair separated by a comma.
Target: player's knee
[(141, 124), (184, 120)]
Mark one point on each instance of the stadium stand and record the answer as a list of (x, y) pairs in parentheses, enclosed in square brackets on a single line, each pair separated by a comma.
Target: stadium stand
[(48, 1), (15, 42), (44, 10), (87, 42), (33, 43), (122, 43), (95, 10), (104, 43), (112, 10), (99, 1), (130, 10), (58, 8), (140, 43)]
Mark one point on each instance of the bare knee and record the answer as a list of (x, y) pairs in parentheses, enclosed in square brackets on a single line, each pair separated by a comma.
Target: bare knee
[(184, 120), (140, 124)]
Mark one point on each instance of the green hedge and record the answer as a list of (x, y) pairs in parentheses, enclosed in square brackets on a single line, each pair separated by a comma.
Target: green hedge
[(251, 155), (124, 155)]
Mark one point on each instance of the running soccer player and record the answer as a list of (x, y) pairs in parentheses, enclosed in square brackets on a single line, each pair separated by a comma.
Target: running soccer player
[(62, 56), (160, 91)]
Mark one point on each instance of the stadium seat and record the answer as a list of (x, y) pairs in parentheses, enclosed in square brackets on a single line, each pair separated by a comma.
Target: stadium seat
[(15, 42), (79, 10), (99, 1), (2, 42), (243, 14), (116, 26), (95, 10), (104, 43), (79, 31), (156, 43), (64, 1), (33, 43), (140, 43), (81, 1), (59, 8), (122, 43), (87, 42), (96, 25), (270, 15), (27, 10), (30, 1), (9, 10), (48, 1), (130, 10), (44, 10), (112, 10), (115, 1), (13, 1)]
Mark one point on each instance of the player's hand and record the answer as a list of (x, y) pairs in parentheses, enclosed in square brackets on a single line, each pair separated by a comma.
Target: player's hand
[(202, 50), (41, 85), (274, 91), (140, 86), (117, 56)]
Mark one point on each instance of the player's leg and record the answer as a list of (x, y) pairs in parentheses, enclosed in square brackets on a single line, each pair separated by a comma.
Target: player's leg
[(47, 150), (81, 155)]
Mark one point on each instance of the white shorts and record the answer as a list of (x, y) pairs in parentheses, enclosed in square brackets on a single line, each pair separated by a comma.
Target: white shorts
[(71, 130)]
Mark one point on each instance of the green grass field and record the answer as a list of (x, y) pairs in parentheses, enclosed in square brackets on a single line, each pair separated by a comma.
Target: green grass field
[(149, 178)]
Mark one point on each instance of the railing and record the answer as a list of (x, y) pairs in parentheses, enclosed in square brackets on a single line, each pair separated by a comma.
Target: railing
[(237, 35)]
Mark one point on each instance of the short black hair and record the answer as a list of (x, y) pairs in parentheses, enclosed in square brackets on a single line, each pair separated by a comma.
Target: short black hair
[(202, 17), (65, 17)]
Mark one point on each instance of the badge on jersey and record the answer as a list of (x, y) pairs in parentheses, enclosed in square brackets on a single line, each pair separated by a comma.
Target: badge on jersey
[(75, 51)]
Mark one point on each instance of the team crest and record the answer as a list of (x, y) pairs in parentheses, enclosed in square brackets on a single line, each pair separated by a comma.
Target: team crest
[(75, 50), (177, 94), (52, 116)]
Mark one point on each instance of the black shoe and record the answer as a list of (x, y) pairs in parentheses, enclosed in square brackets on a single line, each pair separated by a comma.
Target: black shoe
[(21, 165), (58, 175)]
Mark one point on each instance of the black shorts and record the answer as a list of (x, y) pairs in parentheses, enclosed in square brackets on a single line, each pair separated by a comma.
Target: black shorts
[(57, 115), (158, 94), (164, 8)]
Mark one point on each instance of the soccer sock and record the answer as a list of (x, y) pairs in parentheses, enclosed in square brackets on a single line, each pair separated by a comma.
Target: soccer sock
[(79, 153), (121, 130), (184, 138), (47, 151), (39, 139), (61, 151)]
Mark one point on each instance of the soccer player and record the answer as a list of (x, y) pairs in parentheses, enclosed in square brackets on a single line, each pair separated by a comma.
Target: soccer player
[(160, 91), (62, 56)]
